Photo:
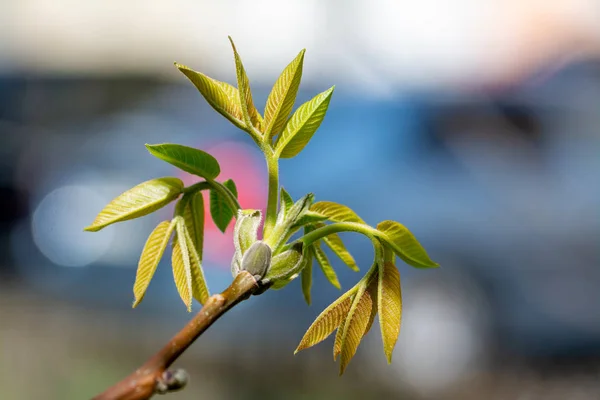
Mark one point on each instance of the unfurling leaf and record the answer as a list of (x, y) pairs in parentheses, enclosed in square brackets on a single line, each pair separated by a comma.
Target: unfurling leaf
[(151, 255), (199, 289), (193, 215), (257, 259), (250, 114), (282, 96), (286, 201), (302, 125), (337, 246), (182, 269), (336, 212), (138, 201), (285, 265), (325, 265), (389, 306), (328, 320), (221, 96), (245, 233), (220, 209), (359, 320), (404, 244), (188, 159), (279, 234), (246, 229), (306, 275)]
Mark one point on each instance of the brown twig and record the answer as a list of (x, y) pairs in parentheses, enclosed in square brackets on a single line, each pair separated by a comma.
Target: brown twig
[(153, 376)]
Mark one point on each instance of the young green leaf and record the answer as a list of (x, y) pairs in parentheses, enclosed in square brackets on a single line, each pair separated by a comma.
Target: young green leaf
[(286, 200), (337, 246), (285, 264), (151, 255), (389, 306), (245, 233), (282, 96), (359, 320), (302, 125), (182, 269), (188, 159), (325, 265), (221, 96), (277, 236), (246, 229), (220, 210), (404, 244), (336, 212), (306, 275), (199, 289), (251, 115), (193, 215), (327, 321), (138, 201)]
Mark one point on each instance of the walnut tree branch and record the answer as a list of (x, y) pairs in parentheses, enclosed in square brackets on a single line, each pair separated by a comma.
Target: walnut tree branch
[(153, 377)]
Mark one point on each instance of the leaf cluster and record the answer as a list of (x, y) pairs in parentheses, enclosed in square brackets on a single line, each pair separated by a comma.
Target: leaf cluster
[(275, 259)]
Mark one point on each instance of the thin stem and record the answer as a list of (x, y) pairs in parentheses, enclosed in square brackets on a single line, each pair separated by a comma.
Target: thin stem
[(231, 200), (273, 171), (142, 383), (196, 187), (327, 230)]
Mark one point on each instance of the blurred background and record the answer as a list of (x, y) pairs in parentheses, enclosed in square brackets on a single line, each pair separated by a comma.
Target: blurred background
[(476, 123)]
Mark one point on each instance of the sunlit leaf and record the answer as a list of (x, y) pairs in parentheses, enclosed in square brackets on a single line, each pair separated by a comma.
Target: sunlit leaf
[(220, 210), (337, 346), (251, 115), (151, 255), (188, 159), (325, 265), (337, 246), (336, 212), (359, 320), (282, 96), (302, 125), (389, 306), (405, 245), (138, 201), (221, 96), (199, 288), (182, 269), (327, 321), (193, 216)]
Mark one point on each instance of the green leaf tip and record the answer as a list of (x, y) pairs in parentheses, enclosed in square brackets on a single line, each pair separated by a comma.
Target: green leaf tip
[(302, 125), (138, 201), (186, 158), (404, 244)]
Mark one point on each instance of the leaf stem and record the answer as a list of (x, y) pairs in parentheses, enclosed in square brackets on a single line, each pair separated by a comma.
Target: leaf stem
[(231, 200), (327, 230), (203, 185), (273, 191), (142, 383)]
